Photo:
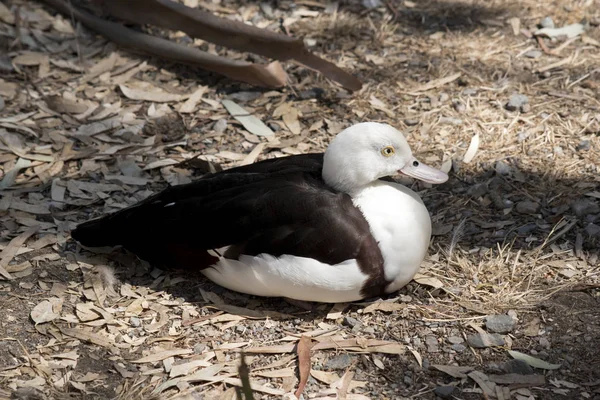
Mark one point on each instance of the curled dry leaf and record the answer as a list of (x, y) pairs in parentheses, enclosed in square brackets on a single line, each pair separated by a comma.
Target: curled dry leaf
[(46, 311), (303, 350), (472, 150), (428, 281)]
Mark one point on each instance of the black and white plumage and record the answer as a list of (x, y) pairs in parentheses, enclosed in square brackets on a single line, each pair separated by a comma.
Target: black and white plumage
[(315, 227)]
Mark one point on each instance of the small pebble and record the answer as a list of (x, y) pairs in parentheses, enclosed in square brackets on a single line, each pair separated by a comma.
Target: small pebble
[(527, 207), (2, 104), (135, 322), (558, 151), (522, 136), (369, 329), (199, 348), (525, 108), (584, 145), (444, 391), (545, 343), (411, 122), (516, 101), (313, 93), (502, 168), (483, 340), (444, 97), (459, 106), (592, 229), (351, 322), (469, 92), (455, 339), (370, 4), (432, 344), (547, 22), (583, 207), (533, 54), (240, 329), (220, 126), (340, 361), (245, 96), (459, 348), (500, 323), (517, 367)]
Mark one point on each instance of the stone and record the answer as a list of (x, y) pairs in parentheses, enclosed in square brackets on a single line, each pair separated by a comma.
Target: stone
[(240, 329), (411, 122), (135, 322), (459, 106), (483, 340), (244, 97), (340, 361), (220, 126), (370, 4), (459, 348), (444, 391), (502, 168), (517, 367), (533, 54), (199, 348), (528, 207), (351, 322), (444, 97), (583, 207), (2, 104), (432, 344), (455, 339), (592, 229), (516, 101), (544, 342), (584, 145), (469, 92), (500, 323), (547, 22), (313, 93)]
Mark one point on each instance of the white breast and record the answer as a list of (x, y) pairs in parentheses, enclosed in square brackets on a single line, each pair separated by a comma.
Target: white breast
[(401, 225)]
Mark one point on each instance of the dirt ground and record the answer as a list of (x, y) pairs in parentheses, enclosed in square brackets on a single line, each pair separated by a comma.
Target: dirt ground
[(507, 304)]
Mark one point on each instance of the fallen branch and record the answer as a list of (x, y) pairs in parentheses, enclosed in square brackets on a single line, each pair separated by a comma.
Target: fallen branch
[(203, 25), (271, 75)]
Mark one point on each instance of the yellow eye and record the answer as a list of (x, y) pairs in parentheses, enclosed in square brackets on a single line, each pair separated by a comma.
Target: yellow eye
[(388, 151)]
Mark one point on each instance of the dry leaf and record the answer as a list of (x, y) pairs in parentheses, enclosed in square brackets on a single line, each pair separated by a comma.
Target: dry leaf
[(437, 83), (11, 249), (152, 358), (303, 351), (138, 90), (190, 104), (428, 281), (249, 121), (46, 311), (532, 361), (472, 150)]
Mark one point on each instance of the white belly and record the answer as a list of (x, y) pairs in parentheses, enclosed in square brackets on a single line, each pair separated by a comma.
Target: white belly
[(294, 277), (399, 222)]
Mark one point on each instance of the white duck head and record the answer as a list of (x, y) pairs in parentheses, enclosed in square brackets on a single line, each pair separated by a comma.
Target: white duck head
[(368, 151)]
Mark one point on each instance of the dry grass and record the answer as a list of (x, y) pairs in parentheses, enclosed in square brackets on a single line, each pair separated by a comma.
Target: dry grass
[(489, 255)]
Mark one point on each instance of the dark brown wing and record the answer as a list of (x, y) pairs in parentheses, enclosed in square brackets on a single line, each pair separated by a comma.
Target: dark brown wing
[(276, 208)]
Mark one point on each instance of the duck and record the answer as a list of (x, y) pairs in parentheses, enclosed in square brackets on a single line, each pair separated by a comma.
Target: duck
[(322, 227)]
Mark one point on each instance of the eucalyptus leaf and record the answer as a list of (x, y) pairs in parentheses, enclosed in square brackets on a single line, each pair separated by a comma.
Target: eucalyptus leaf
[(532, 361), (250, 122)]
